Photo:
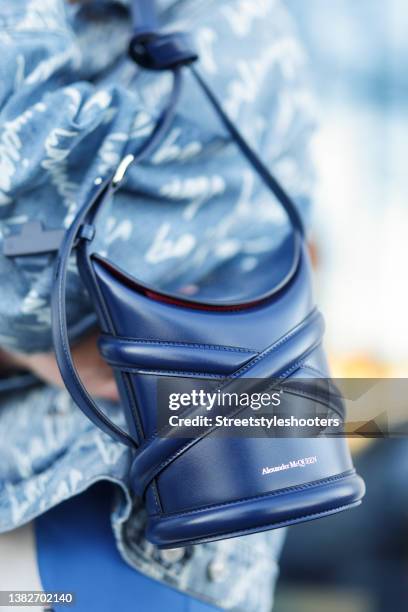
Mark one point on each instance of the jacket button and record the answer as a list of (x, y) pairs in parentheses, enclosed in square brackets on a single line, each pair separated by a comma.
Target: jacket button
[(216, 570), (172, 555)]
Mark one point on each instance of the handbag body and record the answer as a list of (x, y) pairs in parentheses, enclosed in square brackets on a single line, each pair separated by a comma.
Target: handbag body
[(204, 487)]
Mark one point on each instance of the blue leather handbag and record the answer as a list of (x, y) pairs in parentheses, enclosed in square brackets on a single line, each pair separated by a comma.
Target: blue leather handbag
[(205, 487)]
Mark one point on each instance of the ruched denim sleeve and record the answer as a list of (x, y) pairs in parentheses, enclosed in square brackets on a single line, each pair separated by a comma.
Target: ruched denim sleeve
[(58, 130)]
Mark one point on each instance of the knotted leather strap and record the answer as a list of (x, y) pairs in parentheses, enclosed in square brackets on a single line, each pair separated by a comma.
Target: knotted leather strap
[(155, 50)]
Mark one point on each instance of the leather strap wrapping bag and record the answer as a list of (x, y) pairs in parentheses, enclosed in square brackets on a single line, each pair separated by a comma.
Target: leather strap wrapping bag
[(205, 487)]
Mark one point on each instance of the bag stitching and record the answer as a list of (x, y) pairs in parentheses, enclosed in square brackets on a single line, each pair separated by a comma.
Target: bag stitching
[(256, 360), (188, 345)]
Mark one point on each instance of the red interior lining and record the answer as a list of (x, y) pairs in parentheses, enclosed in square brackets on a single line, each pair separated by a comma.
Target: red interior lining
[(180, 301)]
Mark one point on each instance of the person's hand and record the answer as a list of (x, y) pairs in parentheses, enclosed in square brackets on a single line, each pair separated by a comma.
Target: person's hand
[(95, 374)]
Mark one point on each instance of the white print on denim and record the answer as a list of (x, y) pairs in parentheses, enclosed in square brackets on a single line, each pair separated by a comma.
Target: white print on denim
[(74, 97), (45, 69), (41, 15), (296, 463), (164, 248), (109, 115), (10, 150), (205, 39), (252, 73), (20, 71), (171, 151), (48, 439), (228, 248), (110, 453), (66, 488), (56, 164), (221, 245), (35, 304), (198, 189), (142, 125), (110, 152), (117, 230), (19, 503), (156, 91), (243, 206), (101, 99), (244, 13)]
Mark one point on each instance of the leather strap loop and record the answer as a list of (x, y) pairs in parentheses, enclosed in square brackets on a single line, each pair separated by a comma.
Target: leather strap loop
[(162, 51), (153, 49)]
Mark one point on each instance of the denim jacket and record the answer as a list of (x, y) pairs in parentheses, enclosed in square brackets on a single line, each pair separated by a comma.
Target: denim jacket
[(71, 106)]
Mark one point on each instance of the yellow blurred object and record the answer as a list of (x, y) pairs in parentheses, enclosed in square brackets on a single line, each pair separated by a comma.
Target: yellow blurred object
[(361, 366)]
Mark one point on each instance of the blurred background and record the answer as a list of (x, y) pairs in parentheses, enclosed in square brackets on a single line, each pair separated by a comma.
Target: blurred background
[(358, 561), (358, 52)]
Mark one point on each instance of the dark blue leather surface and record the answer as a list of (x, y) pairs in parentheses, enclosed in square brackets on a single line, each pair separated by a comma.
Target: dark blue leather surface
[(135, 315), (242, 461), (271, 511), (190, 483)]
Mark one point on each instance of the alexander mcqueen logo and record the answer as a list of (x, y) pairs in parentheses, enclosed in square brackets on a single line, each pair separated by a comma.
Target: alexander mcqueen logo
[(296, 463)]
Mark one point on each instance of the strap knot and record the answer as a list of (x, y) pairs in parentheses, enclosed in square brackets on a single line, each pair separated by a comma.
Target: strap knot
[(162, 51)]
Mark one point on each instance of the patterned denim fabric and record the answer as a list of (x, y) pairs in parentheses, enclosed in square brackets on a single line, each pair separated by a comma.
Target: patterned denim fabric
[(71, 105)]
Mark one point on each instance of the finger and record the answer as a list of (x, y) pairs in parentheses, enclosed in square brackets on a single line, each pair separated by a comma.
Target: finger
[(107, 390)]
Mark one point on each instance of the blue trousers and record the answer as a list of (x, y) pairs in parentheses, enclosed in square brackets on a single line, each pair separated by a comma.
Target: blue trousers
[(77, 553)]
